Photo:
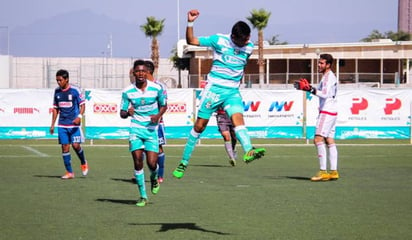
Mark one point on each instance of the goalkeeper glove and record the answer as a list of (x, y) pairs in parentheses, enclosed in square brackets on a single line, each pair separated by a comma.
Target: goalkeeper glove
[(303, 84)]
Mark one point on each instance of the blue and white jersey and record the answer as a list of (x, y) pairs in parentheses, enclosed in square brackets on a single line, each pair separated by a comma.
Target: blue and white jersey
[(67, 102), (145, 103), (229, 60)]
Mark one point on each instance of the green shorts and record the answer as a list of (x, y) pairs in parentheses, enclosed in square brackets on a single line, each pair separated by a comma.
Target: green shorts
[(142, 138), (214, 96)]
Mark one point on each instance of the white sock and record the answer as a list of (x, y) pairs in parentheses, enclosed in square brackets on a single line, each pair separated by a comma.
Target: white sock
[(321, 155), (333, 157)]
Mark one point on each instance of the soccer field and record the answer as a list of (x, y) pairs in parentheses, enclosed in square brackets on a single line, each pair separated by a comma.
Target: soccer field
[(271, 198)]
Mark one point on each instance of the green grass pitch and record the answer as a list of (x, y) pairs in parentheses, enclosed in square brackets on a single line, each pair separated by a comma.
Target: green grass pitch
[(271, 198)]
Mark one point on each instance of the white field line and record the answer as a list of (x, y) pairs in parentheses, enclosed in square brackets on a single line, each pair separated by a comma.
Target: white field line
[(38, 153)]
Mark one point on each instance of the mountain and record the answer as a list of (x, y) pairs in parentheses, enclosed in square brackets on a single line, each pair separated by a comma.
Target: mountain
[(83, 34)]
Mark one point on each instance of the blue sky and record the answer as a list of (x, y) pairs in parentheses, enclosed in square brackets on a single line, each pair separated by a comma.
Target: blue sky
[(82, 27)]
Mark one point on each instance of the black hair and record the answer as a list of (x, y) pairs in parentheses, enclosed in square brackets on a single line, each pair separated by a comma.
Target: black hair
[(63, 73), (327, 57), (138, 62), (150, 66), (241, 30)]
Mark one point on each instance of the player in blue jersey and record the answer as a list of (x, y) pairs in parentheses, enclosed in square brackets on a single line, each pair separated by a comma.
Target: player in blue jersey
[(144, 102), (231, 53), (161, 130), (69, 105)]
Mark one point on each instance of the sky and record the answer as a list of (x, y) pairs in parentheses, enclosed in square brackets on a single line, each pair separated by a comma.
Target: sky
[(83, 28)]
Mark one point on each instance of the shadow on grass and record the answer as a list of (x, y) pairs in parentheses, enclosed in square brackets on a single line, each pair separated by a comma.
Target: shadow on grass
[(289, 177), (164, 227), (120, 201), (46, 176), (298, 178), (130, 180), (209, 165)]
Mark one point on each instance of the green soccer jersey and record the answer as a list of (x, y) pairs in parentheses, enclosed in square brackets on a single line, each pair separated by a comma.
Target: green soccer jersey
[(145, 103), (229, 60)]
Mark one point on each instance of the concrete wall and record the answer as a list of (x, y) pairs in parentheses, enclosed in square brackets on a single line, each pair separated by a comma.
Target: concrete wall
[(97, 72)]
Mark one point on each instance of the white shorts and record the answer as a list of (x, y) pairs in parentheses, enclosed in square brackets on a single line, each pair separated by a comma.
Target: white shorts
[(326, 125)]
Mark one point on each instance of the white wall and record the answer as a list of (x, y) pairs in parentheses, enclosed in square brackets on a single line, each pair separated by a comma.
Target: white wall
[(4, 71)]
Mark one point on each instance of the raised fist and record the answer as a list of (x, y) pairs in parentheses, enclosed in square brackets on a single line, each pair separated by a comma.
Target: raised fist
[(192, 15)]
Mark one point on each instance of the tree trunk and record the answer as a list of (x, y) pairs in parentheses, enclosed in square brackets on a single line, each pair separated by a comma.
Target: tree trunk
[(261, 61), (155, 56)]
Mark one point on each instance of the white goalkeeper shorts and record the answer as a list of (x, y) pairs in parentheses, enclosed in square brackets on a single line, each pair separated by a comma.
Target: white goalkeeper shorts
[(326, 124)]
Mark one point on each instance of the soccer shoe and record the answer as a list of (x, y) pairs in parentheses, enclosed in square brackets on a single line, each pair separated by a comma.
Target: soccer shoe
[(160, 180), (68, 175), (253, 154), (85, 169), (333, 175), (179, 171), (155, 186), (142, 202), (322, 175), (232, 162)]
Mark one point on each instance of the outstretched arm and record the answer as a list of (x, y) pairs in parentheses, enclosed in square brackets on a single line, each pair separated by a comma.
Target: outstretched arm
[(190, 37)]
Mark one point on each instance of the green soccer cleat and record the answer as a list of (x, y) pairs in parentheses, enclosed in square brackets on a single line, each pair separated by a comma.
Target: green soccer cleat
[(155, 186), (253, 154), (179, 171), (142, 202)]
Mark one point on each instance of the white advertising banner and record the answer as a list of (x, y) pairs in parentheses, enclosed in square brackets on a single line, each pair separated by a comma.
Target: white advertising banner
[(25, 113), (103, 114), (363, 113), (380, 113)]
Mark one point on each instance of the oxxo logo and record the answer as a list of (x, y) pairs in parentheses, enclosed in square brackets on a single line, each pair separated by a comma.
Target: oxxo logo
[(391, 105), (358, 104), (176, 107), (105, 108), (276, 105)]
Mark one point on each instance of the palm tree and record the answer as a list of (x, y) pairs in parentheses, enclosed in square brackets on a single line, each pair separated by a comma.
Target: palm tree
[(152, 29), (259, 19), (394, 36)]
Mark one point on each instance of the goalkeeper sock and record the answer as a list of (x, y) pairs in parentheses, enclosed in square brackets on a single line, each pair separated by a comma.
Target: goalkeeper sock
[(321, 155), (67, 161), (190, 146), (139, 174), (243, 137), (333, 157), (229, 150)]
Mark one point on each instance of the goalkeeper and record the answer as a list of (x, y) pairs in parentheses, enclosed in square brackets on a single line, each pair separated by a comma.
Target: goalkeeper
[(326, 122)]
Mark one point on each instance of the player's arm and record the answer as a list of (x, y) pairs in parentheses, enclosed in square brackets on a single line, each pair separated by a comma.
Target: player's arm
[(162, 103), (190, 36), (55, 112), (124, 107)]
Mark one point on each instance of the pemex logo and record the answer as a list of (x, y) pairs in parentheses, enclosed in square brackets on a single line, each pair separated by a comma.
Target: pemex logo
[(392, 104), (358, 104)]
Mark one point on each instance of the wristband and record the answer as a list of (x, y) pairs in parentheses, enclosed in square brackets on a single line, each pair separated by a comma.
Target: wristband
[(80, 116), (190, 24)]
